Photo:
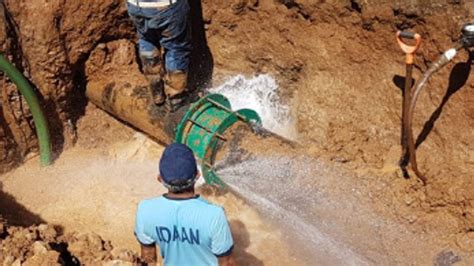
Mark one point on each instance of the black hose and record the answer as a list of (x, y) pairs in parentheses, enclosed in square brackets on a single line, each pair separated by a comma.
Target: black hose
[(437, 65)]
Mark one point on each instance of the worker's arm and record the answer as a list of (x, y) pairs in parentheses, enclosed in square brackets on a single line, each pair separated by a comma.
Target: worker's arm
[(147, 243), (222, 243), (227, 261), (148, 254)]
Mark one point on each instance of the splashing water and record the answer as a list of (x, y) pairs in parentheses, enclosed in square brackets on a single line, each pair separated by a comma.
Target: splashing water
[(254, 178), (260, 94), (295, 192), (282, 188)]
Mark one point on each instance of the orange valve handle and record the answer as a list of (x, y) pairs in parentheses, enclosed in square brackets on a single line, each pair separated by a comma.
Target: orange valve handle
[(409, 50)]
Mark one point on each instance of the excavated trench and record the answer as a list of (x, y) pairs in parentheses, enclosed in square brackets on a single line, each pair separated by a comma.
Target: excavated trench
[(335, 197)]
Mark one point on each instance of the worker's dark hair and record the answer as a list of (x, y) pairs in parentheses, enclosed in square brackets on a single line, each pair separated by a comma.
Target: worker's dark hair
[(181, 186), (185, 190)]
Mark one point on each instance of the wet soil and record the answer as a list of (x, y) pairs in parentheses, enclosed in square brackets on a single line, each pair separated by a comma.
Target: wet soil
[(343, 79), (337, 65), (95, 190), (325, 206)]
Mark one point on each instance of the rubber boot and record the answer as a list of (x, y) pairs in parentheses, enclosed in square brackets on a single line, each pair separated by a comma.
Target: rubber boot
[(153, 71), (175, 89), (157, 89)]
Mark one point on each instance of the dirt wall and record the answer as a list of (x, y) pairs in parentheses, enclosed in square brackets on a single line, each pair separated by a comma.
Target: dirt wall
[(50, 47), (336, 61), (339, 65)]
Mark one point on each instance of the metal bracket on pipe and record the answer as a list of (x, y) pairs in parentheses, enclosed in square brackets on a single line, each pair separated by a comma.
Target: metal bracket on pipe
[(203, 126)]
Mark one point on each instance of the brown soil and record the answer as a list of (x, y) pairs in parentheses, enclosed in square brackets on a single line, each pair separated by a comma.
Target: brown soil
[(333, 200), (50, 47), (45, 245), (340, 78), (96, 190), (336, 61), (126, 95)]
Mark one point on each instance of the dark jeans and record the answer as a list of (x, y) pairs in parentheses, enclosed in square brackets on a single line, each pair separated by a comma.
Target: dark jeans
[(168, 28)]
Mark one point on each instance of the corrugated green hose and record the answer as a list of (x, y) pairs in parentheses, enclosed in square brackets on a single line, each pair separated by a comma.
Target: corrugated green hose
[(28, 93)]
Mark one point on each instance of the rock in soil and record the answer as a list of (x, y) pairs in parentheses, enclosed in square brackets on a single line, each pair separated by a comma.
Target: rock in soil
[(43, 245)]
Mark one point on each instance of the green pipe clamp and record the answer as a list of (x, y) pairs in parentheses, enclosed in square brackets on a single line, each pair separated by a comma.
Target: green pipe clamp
[(203, 126)]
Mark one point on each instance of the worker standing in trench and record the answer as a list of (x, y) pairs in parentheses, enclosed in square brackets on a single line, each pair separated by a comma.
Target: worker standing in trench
[(163, 24), (188, 229)]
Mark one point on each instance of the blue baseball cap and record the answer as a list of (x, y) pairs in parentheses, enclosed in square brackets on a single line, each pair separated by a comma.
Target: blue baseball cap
[(178, 165)]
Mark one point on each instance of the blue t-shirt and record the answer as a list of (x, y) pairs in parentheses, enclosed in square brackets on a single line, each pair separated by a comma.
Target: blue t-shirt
[(189, 231)]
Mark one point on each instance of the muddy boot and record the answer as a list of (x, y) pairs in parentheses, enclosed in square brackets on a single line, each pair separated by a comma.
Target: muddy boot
[(157, 90), (175, 89), (153, 71)]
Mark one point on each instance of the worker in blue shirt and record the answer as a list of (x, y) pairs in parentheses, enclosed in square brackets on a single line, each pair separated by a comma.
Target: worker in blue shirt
[(188, 229), (163, 29)]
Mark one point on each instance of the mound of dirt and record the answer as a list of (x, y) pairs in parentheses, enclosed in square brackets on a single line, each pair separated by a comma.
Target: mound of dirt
[(337, 64), (44, 245), (50, 47)]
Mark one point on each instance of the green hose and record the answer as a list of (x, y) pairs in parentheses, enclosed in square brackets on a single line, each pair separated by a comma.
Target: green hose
[(38, 116)]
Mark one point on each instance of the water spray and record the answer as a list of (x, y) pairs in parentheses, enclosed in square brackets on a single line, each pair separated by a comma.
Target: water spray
[(203, 126), (466, 42), (208, 125)]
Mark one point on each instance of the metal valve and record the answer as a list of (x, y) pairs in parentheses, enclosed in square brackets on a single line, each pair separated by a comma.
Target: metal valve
[(467, 37)]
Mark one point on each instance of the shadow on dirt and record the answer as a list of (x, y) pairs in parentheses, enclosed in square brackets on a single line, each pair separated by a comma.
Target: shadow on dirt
[(446, 258), (399, 81), (56, 128), (15, 213), (241, 243), (9, 152), (457, 79), (202, 62)]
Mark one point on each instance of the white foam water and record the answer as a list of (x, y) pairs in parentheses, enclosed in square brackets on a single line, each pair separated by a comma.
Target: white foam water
[(260, 93)]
